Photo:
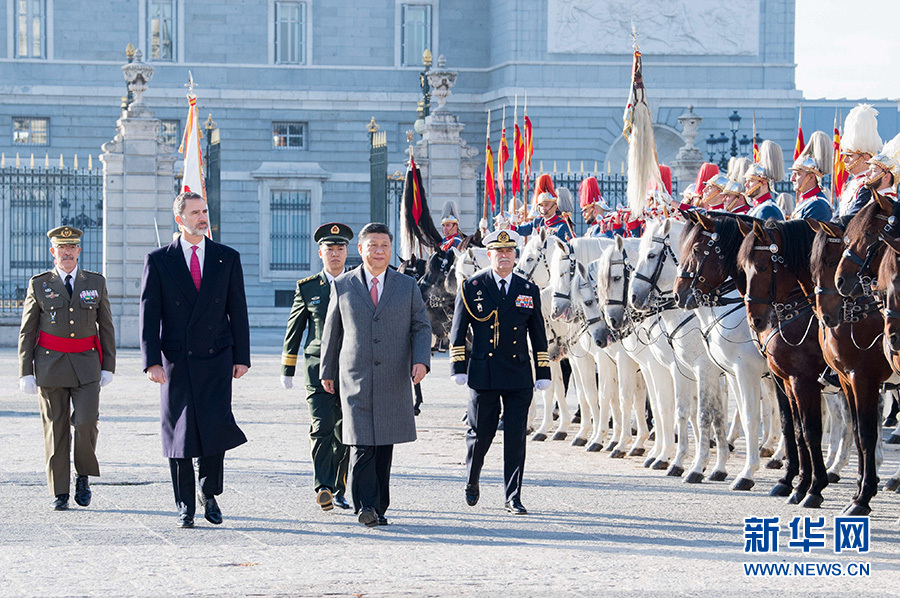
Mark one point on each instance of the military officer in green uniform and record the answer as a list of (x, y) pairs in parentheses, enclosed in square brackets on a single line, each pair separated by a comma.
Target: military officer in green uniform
[(67, 351), (330, 456)]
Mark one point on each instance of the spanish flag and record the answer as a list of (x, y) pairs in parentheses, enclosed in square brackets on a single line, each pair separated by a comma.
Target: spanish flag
[(519, 154), (839, 172), (502, 159), (755, 144), (529, 151), (798, 147), (489, 177), (193, 179)]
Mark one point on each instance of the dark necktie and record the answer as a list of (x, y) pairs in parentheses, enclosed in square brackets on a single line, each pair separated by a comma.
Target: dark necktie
[(69, 284), (503, 288)]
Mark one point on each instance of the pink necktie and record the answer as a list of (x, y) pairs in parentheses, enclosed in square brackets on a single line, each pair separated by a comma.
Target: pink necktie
[(373, 292), (195, 267)]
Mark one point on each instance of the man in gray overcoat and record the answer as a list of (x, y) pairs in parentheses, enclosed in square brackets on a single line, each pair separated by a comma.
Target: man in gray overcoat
[(377, 344)]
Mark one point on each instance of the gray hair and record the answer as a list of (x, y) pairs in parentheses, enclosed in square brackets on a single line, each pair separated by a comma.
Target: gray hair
[(181, 200), (375, 228)]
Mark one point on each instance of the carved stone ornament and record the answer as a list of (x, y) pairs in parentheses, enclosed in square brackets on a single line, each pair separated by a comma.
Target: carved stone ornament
[(441, 80), (137, 75)]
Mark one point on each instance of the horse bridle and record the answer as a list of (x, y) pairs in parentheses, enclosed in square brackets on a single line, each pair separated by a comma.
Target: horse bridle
[(569, 257), (543, 255), (662, 301), (784, 311), (865, 275), (851, 310), (714, 296)]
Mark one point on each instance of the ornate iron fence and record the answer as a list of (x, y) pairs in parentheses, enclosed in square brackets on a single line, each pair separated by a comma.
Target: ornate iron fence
[(33, 201)]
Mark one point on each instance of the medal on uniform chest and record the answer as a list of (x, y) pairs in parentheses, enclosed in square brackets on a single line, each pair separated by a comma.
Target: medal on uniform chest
[(480, 308), (53, 317)]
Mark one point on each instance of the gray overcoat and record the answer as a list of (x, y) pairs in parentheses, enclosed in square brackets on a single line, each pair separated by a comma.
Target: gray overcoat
[(370, 352)]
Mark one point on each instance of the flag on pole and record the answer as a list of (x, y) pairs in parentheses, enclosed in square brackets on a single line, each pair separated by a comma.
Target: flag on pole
[(488, 171), (839, 172), (528, 152), (502, 159), (192, 178), (755, 144), (798, 147), (519, 151)]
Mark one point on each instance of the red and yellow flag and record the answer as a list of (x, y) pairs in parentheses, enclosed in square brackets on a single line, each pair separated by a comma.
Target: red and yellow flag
[(193, 179), (528, 152), (502, 159), (798, 147), (755, 144), (839, 172), (489, 178), (519, 154)]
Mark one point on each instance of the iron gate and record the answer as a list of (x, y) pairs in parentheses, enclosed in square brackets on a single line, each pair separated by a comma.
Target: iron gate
[(33, 201)]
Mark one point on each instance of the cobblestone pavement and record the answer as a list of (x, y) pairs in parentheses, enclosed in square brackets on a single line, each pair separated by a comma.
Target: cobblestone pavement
[(596, 527)]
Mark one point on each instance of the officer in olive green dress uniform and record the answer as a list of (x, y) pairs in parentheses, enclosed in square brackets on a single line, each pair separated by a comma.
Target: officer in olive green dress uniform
[(330, 456), (67, 351)]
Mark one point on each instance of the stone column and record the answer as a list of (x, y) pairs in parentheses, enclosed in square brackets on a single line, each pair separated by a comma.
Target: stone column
[(138, 189), (689, 159), (448, 165)]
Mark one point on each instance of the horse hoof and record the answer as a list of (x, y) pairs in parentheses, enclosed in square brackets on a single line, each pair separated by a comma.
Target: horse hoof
[(576, 419), (529, 431), (780, 489), (652, 435), (796, 498), (812, 501), (893, 439), (694, 477), (617, 454), (891, 485), (660, 465), (500, 425), (765, 452), (890, 422), (594, 448), (676, 471), (539, 437), (774, 464), (857, 510), (718, 476), (610, 446), (559, 436), (743, 484), (833, 478), (579, 441), (730, 448), (636, 452), (649, 461)]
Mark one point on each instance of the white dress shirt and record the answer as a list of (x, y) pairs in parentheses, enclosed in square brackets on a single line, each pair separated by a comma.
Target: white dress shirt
[(62, 275), (380, 279), (186, 248), (498, 278)]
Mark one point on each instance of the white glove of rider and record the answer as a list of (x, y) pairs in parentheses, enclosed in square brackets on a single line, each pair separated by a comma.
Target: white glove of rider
[(460, 379), (105, 378), (541, 384), (483, 224), (287, 382), (28, 385)]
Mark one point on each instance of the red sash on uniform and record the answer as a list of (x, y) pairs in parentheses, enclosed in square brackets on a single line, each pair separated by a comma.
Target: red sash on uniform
[(69, 345)]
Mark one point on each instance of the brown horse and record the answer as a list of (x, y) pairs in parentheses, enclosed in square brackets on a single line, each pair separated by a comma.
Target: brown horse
[(850, 340), (775, 259), (709, 271), (858, 268)]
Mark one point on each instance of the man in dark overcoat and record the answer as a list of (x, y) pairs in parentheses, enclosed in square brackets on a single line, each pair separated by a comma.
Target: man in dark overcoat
[(503, 310), (377, 343), (195, 338)]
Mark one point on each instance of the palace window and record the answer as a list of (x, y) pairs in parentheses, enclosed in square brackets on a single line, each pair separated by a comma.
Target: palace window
[(161, 30), (170, 131), (288, 135), (415, 33), (290, 230), (290, 27), (31, 131), (31, 27)]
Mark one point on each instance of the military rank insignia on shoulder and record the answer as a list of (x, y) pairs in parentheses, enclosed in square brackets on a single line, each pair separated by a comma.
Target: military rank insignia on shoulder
[(525, 301), (307, 279)]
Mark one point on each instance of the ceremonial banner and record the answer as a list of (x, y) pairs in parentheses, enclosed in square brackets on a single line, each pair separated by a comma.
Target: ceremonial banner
[(193, 179)]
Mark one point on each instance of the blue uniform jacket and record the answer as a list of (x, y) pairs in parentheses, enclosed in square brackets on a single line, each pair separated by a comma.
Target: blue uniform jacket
[(556, 225), (765, 210), (500, 332), (815, 207)]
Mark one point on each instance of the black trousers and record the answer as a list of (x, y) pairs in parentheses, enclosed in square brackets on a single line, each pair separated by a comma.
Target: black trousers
[(370, 476), (483, 415), (210, 473)]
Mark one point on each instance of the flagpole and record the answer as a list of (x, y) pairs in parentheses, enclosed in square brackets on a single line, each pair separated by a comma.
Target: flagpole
[(837, 155), (755, 149), (501, 182), (487, 155), (527, 160), (512, 199)]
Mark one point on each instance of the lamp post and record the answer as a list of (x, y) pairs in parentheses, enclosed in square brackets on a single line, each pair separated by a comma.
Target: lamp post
[(735, 120), (423, 107)]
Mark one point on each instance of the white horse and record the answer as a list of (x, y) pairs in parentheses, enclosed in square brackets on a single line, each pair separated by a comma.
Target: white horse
[(468, 262), (556, 349)]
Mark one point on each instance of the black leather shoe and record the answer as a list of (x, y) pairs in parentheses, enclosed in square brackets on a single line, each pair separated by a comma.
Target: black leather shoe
[(341, 502), (472, 494), (325, 499), (185, 521), (61, 503), (82, 491), (515, 507), (211, 512), (382, 520), (368, 517)]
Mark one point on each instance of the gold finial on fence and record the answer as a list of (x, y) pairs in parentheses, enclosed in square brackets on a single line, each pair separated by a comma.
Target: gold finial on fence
[(608, 168), (2, 160), (31, 164), (18, 164), (542, 167), (568, 167), (76, 162), (91, 160), (554, 167), (47, 160), (623, 168), (582, 167)]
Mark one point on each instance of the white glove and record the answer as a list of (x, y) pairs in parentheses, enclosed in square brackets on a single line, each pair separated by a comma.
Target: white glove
[(460, 379), (287, 382), (105, 378), (541, 384), (483, 224), (28, 385)]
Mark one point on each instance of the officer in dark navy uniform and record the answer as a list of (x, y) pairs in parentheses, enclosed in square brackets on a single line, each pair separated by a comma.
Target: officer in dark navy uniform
[(504, 312), (330, 456)]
